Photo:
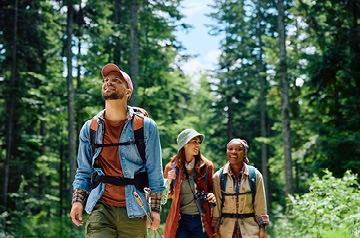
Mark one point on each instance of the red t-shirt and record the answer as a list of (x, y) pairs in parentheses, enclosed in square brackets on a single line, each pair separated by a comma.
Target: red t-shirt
[(114, 195)]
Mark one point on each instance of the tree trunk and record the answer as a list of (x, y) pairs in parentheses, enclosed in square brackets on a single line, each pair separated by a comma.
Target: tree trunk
[(230, 123), (263, 116), (355, 46), (70, 91), (78, 80), (61, 175), (117, 50), (263, 131), (285, 108), (230, 112), (11, 109), (134, 50)]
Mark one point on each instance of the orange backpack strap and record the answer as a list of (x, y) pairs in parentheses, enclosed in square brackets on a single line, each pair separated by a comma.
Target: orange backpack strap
[(93, 129), (138, 122), (94, 125), (138, 126)]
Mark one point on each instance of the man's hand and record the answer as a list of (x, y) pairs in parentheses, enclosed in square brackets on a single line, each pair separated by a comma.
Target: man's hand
[(156, 220), (76, 213)]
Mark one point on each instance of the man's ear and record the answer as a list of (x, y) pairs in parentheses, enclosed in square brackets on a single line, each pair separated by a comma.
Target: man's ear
[(128, 93)]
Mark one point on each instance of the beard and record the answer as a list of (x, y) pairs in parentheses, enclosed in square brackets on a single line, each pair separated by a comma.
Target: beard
[(113, 96)]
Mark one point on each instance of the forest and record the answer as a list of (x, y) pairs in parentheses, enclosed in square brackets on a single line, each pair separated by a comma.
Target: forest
[(287, 81)]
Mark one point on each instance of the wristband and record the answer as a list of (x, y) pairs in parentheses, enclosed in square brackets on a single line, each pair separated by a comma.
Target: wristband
[(156, 202), (79, 195)]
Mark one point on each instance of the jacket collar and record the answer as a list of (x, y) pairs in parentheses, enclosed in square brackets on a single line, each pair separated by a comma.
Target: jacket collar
[(245, 169), (129, 114)]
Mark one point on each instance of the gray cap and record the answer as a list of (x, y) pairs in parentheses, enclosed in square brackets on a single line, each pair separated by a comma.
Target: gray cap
[(186, 135)]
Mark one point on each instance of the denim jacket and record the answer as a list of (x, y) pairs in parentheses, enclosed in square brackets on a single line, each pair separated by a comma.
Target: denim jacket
[(130, 160)]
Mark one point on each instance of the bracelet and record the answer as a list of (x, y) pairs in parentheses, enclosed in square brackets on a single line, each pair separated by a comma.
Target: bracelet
[(79, 195), (156, 202)]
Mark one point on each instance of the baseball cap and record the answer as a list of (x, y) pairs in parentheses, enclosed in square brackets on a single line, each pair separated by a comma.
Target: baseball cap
[(114, 68)]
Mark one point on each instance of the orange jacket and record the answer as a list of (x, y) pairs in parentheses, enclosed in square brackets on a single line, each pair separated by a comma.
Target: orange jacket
[(173, 217)]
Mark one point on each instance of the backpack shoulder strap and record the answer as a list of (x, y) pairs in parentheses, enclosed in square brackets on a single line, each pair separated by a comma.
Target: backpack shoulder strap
[(173, 167), (222, 186), (207, 177), (222, 179), (252, 181), (93, 129), (138, 126)]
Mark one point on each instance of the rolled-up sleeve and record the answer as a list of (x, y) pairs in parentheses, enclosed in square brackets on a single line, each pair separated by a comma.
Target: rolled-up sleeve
[(260, 201)]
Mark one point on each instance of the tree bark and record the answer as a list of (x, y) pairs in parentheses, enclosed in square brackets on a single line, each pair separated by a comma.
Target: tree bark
[(11, 108), (134, 50), (355, 46), (117, 49), (285, 108), (263, 116), (70, 91)]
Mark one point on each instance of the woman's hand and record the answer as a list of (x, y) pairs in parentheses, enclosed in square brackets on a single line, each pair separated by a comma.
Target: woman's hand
[(262, 233), (211, 198), (216, 235), (171, 175)]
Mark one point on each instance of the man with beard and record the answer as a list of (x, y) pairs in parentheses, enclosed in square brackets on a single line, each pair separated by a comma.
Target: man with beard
[(112, 171)]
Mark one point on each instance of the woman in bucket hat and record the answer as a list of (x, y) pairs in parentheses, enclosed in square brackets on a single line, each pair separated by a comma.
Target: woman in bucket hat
[(189, 176)]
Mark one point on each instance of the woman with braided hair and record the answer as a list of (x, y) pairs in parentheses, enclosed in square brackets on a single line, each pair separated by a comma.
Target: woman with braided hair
[(240, 210)]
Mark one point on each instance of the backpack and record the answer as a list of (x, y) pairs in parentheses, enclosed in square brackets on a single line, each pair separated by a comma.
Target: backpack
[(140, 180), (138, 125), (252, 183)]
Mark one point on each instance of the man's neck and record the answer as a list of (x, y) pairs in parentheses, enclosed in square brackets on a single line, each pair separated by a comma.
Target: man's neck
[(115, 110)]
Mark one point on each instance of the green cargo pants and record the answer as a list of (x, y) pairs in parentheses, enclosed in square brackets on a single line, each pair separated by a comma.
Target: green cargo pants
[(112, 222)]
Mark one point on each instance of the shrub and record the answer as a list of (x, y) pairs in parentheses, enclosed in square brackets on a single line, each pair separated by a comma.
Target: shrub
[(330, 209)]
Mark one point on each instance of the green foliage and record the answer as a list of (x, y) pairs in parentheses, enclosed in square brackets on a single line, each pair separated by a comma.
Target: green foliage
[(35, 216), (39, 225), (329, 50), (330, 209)]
